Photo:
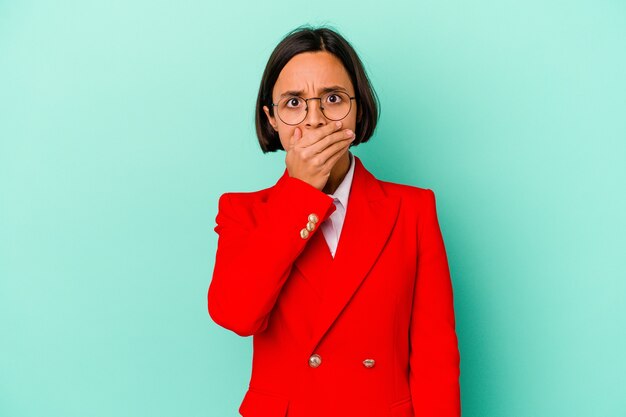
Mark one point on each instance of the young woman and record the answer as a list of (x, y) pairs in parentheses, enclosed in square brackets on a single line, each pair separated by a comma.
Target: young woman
[(342, 279)]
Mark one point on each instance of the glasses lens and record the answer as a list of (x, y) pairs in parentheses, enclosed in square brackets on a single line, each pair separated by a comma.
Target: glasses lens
[(292, 110), (336, 105)]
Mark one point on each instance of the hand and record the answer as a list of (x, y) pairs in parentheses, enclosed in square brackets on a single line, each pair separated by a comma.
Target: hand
[(311, 157)]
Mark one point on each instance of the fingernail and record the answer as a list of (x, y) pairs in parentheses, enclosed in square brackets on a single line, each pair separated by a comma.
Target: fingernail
[(349, 133), (338, 124)]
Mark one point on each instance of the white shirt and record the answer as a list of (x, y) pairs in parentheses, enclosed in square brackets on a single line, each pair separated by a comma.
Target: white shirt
[(332, 226)]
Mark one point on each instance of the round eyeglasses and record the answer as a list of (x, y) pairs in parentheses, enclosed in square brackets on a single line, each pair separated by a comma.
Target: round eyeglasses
[(335, 105)]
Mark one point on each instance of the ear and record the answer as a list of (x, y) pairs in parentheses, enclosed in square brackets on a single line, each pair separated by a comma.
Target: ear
[(271, 119)]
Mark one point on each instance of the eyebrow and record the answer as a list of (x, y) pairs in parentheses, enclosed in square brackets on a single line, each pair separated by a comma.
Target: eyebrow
[(323, 90)]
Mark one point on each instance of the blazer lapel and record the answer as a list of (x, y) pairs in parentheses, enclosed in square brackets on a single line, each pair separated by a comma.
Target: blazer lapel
[(369, 220)]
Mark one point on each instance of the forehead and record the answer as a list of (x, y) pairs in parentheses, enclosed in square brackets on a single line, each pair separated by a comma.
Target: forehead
[(311, 72)]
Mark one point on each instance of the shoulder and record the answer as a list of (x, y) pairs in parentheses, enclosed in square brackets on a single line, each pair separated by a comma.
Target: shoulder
[(408, 194), (237, 207), (418, 207), (235, 201), (245, 197), (286, 185)]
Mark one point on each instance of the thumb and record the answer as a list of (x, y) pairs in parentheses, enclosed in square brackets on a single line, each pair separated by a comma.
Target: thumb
[(297, 135)]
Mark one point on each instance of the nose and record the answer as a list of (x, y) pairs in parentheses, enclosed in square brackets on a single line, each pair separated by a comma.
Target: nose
[(314, 116)]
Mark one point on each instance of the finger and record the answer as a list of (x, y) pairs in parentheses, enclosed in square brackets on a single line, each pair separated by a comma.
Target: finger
[(297, 135), (328, 152), (322, 132), (332, 160), (324, 143)]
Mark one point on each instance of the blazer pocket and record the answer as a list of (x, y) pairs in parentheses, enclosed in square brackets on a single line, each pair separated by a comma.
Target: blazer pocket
[(261, 404), (402, 408)]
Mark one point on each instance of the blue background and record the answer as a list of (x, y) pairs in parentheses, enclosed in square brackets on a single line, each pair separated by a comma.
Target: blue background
[(121, 123)]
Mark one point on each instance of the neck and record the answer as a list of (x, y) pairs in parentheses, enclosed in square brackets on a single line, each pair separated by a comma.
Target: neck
[(337, 174)]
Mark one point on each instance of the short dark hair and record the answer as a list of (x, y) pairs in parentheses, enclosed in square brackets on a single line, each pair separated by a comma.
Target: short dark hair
[(311, 39)]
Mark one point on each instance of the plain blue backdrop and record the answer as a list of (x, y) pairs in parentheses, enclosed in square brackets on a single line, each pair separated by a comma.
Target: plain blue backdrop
[(121, 123)]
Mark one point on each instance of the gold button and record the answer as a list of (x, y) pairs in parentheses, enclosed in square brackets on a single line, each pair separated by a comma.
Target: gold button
[(304, 233), (313, 218), (315, 360), (369, 363), (310, 226)]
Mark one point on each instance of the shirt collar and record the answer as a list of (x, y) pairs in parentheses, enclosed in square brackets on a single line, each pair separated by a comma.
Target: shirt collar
[(343, 191)]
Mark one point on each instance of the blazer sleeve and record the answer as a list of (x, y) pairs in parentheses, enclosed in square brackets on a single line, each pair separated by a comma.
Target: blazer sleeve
[(256, 251), (434, 356)]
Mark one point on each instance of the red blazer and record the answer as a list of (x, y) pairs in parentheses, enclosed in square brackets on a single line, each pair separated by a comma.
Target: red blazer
[(370, 333)]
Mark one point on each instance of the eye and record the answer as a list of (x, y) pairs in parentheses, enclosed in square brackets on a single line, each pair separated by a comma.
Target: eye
[(293, 102), (334, 98)]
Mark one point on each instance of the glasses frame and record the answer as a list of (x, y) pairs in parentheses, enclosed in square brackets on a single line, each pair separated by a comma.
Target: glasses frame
[(306, 109)]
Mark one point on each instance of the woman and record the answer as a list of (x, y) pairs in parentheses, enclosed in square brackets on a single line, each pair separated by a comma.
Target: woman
[(357, 326)]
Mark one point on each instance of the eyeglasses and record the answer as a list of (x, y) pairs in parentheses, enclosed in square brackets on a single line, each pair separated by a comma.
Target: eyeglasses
[(335, 105)]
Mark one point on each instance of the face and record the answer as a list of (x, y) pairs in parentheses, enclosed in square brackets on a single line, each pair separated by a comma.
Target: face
[(309, 73)]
